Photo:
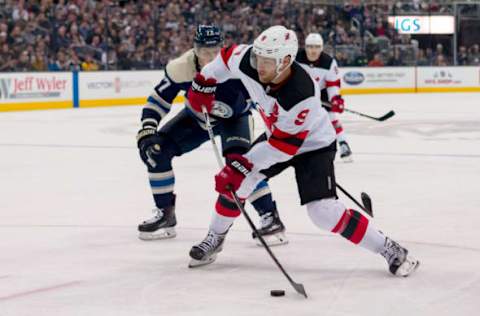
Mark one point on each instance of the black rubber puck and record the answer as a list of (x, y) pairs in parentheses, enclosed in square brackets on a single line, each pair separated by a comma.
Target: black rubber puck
[(277, 292)]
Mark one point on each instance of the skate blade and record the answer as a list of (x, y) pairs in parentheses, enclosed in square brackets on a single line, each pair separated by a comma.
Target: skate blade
[(165, 233), (199, 263), (347, 159), (277, 239), (408, 267)]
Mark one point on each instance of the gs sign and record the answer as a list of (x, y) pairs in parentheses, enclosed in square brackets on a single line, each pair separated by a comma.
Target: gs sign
[(422, 24), (407, 25)]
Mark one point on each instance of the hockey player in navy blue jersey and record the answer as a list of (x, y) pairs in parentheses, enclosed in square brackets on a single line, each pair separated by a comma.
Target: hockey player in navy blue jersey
[(232, 120)]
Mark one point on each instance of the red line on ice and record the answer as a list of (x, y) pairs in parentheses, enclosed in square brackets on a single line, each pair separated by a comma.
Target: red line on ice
[(40, 290)]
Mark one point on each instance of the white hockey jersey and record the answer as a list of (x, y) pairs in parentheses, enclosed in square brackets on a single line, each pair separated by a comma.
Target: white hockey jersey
[(294, 118), (325, 71)]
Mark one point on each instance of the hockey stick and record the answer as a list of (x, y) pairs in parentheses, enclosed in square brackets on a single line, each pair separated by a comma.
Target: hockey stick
[(380, 119), (297, 286), (367, 202), (367, 207)]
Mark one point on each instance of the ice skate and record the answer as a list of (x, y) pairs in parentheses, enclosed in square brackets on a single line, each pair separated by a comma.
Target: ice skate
[(345, 152), (271, 229), (206, 251), (160, 226), (399, 261)]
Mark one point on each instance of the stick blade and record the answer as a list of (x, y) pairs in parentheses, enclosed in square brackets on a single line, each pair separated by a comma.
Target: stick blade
[(367, 203), (387, 116), (299, 288)]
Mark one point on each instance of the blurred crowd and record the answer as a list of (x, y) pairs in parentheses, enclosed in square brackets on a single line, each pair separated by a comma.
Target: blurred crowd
[(131, 35)]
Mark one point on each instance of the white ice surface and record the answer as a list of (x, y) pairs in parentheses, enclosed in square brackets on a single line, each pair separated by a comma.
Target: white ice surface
[(72, 190)]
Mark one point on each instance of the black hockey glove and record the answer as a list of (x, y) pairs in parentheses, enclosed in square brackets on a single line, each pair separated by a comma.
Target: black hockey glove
[(148, 142)]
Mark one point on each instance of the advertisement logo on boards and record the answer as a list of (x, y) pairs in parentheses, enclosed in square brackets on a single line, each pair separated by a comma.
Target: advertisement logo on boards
[(443, 77), (118, 84), (354, 78), (99, 85), (4, 88), (26, 87)]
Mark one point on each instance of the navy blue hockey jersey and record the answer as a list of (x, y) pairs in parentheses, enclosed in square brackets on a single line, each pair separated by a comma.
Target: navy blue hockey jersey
[(231, 97)]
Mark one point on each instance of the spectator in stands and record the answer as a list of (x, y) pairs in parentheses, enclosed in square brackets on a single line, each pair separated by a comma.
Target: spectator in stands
[(139, 61), (3, 28), (74, 63), (439, 52), (19, 13), (421, 58), (97, 43), (52, 64), (3, 38), (85, 27), (39, 61), (42, 20), (440, 61), (60, 63), (395, 58), (112, 60), (162, 29), (8, 62), (360, 61), (341, 58), (379, 29), (74, 36), (429, 56), (23, 63), (29, 33), (376, 61), (63, 60), (60, 39), (15, 37), (89, 64), (474, 58), (462, 56)]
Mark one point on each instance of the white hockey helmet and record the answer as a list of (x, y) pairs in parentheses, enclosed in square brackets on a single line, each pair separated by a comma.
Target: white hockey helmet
[(314, 39), (276, 42)]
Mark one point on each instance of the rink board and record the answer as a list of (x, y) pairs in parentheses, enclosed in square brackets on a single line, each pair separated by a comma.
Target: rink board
[(57, 90)]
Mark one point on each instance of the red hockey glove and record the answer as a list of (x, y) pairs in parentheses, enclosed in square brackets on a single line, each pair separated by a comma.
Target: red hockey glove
[(338, 105), (231, 176), (202, 93)]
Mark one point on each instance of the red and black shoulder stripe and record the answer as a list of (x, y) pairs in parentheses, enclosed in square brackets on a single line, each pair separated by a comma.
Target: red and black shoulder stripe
[(227, 52)]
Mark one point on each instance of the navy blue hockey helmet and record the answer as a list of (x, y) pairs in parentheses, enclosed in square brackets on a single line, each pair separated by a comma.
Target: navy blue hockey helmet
[(208, 36)]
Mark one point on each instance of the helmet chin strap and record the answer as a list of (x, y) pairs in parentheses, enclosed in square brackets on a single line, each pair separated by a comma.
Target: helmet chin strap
[(277, 70)]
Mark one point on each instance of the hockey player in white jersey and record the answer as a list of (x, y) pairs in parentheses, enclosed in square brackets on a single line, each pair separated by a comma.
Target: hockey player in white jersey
[(324, 68), (298, 134)]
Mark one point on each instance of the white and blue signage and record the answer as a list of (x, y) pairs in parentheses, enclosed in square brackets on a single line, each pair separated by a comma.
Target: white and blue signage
[(416, 24)]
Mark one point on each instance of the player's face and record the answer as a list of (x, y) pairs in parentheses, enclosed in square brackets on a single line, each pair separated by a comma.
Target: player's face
[(266, 68), (313, 52), (206, 54)]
